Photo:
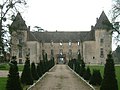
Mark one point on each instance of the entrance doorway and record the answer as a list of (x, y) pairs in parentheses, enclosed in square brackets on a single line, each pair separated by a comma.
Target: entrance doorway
[(61, 59)]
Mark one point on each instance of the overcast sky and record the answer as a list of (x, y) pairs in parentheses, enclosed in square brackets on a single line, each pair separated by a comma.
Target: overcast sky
[(65, 15)]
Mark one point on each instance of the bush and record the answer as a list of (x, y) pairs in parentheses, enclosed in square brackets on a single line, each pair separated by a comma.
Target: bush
[(39, 70), (109, 80), (34, 71), (26, 77), (13, 82), (96, 78), (87, 74), (82, 68)]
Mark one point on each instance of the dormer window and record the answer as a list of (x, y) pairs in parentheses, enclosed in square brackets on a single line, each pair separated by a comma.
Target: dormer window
[(70, 43)]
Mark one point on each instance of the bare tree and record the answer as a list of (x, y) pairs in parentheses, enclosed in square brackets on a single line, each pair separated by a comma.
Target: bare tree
[(115, 9), (7, 10), (39, 29), (115, 20)]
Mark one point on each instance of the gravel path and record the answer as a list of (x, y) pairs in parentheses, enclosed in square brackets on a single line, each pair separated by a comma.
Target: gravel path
[(4, 73), (61, 78)]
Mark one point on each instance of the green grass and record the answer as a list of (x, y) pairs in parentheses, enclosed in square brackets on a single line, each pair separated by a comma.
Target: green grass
[(6, 67), (3, 81), (101, 68)]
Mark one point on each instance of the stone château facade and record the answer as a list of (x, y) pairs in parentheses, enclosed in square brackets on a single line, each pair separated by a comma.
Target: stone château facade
[(94, 45)]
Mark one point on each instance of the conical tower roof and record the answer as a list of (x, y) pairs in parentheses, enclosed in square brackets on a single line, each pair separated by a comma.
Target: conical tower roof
[(103, 22), (18, 23)]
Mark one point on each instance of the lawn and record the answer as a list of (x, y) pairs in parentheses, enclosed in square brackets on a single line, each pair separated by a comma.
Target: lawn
[(6, 66), (3, 81), (101, 68)]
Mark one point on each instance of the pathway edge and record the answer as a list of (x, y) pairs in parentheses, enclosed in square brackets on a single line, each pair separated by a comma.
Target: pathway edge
[(40, 78), (81, 78)]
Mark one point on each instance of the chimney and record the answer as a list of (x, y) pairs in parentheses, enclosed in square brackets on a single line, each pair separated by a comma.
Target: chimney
[(28, 28), (92, 27), (96, 20)]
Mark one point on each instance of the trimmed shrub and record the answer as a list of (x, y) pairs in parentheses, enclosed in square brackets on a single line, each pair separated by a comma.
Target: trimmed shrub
[(109, 80), (96, 78), (87, 74), (34, 71), (13, 82), (39, 70), (26, 77), (82, 68)]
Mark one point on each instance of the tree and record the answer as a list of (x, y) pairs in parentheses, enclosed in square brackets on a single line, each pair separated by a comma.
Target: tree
[(34, 71), (13, 82), (116, 55), (39, 69), (87, 74), (115, 9), (115, 20), (26, 77), (109, 80), (82, 68), (96, 78), (79, 57), (7, 11)]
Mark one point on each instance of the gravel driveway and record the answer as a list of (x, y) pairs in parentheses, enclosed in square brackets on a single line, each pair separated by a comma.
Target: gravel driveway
[(61, 78), (4, 73)]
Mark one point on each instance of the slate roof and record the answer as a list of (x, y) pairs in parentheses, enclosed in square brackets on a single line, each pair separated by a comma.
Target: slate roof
[(18, 23), (65, 37), (103, 22)]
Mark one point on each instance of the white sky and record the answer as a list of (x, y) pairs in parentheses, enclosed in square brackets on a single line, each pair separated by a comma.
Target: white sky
[(65, 15)]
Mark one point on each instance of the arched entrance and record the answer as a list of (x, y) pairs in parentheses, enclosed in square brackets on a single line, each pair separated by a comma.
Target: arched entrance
[(61, 58)]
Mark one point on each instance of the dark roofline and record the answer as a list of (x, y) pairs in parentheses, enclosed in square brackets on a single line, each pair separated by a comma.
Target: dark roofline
[(103, 22), (18, 23), (62, 35)]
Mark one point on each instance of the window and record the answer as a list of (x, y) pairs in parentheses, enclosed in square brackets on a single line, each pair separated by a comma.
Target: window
[(20, 61), (78, 51), (70, 52), (61, 52), (101, 41), (42, 44), (20, 40), (101, 52), (20, 52), (52, 52), (28, 52), (61, 43), (70, 43), (51, 43), (78, 43), (43, 52)]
